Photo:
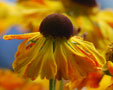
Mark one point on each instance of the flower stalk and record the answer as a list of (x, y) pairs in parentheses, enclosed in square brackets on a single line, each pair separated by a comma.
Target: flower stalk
[(61, 85), (52, 84)]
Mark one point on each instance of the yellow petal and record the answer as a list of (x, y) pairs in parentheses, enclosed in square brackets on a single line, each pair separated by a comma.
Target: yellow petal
[(90, 51), (61, 61), (24, 55), (21, 36), (43, 64)]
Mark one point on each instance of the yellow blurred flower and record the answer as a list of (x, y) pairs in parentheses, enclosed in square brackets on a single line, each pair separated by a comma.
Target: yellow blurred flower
[(27, 13), (55, 53), (107, 16), (87, 16), (81, 13), (84, 14), (9, 15)]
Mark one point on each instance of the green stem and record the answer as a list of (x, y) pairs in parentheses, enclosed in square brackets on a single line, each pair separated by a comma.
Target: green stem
[(61, 85), (52, 84)]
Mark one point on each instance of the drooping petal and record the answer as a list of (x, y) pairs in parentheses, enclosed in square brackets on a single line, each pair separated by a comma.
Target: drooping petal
[(89, 50), (81, 58), (76, 62), (74, 69), (25, 55), (22, 36), (43, 64), (61, 61)]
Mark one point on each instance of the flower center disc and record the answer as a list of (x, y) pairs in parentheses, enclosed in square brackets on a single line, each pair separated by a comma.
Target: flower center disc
[(56, 25)]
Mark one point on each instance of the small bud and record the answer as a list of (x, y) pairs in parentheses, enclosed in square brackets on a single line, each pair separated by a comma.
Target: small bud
[(84, 35), (76, 31), (109, 53), (56, 25)]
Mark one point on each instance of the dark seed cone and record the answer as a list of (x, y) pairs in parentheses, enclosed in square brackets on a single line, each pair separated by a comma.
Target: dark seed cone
[(89, 3), (56, 25)]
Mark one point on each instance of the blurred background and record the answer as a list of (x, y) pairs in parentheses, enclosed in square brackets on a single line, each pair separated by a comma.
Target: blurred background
[(9, 48)]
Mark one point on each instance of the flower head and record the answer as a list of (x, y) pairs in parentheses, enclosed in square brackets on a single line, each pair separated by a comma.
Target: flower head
[(55, 55)]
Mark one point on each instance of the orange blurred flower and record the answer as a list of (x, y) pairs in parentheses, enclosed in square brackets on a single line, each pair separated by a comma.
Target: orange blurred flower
[(11, 81), (110, 67), (92, 80), (104, 83)]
